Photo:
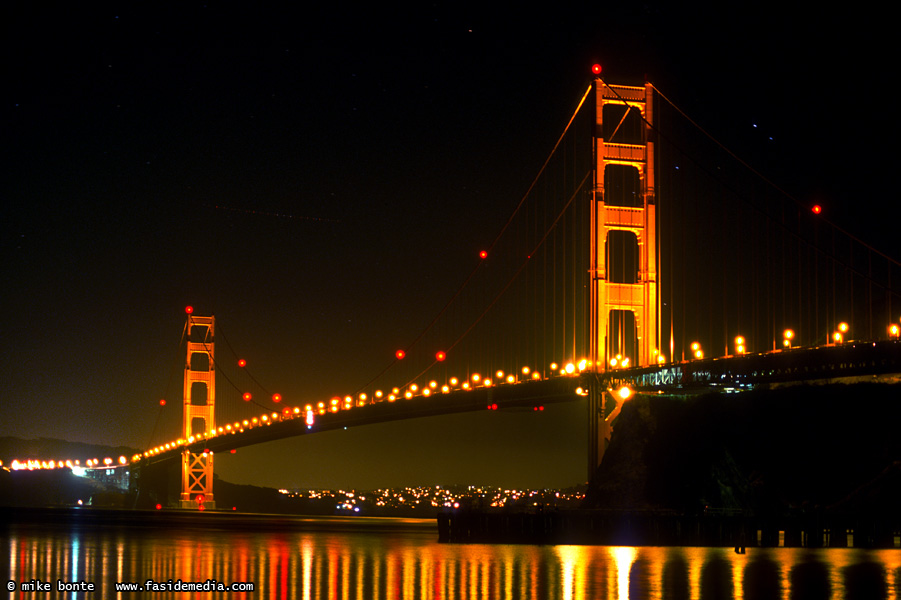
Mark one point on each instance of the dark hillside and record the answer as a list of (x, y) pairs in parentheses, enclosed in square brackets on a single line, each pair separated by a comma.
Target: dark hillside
[(794, 447)]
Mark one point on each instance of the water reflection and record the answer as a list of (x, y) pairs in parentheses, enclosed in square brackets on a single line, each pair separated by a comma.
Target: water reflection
[(401, 559), (762, 578)]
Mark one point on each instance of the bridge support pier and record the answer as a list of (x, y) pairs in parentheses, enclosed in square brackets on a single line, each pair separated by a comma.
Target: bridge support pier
[(604, 406), (598, 428)]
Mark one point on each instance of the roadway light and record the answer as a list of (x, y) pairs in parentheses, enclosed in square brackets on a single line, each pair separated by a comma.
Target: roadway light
[(739, 344), (894, 331), (696, 350), (624, 392), (839, 336), (787, 336)]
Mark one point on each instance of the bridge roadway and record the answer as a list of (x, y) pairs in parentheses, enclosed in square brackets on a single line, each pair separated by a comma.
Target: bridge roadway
[(730, 373), (851, 359), (524, 396)]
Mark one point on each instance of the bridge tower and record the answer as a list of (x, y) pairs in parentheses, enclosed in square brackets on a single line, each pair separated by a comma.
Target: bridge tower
[(623, 201), (199, 411)]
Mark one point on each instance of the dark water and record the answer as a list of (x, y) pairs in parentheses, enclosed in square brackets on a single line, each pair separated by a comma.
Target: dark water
[(400, 558)]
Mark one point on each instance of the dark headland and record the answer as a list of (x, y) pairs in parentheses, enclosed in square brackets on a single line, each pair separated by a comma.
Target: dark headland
[(804, 465)]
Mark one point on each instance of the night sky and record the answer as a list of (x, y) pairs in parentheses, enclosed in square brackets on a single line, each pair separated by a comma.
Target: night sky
[(323, 181)]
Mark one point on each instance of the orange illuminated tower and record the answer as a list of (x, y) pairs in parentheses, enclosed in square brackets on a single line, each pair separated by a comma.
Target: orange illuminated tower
[(199, 411), (623, 246), (624, 207)]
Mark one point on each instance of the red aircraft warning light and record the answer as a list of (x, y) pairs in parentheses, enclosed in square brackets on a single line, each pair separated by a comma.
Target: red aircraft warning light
[(440, 355), (247, 396), (162, 402), (276, 397), (596, 69), (242, 362), (400, 354), (189, 309), (483, 254), (817, 209)]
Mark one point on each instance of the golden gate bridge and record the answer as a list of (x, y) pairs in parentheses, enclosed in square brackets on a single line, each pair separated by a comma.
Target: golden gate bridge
[(644, 257)]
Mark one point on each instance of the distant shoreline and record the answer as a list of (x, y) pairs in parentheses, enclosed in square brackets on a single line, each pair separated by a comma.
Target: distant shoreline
[(216, 519)]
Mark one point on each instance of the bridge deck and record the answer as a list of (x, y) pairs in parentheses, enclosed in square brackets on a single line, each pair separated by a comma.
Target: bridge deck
[(856, 359)]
